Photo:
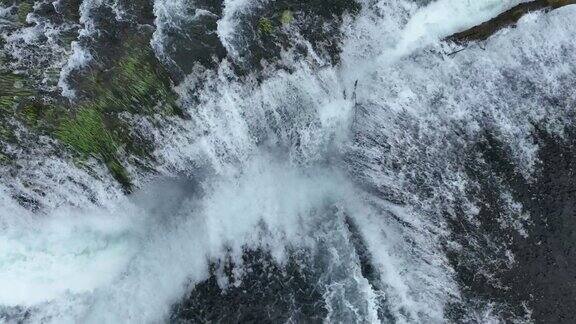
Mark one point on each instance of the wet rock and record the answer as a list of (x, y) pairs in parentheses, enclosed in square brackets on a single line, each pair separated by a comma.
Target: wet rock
[(505, 19), (539, 282), (263, 33), (267, 293), (187, 43)]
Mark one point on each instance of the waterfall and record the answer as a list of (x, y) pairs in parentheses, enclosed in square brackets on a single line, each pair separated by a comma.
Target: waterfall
[(369, 174)]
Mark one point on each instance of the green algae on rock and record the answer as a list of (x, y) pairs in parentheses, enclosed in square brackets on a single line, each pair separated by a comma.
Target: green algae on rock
[(135, 83), (13, 88), (287, 17), (87, 135), (91, 125), (317, 21), (23, 10), (265, 26), (128, 82)]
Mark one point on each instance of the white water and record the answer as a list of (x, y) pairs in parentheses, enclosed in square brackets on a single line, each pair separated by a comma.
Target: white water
[(36, 45), (263, 162)]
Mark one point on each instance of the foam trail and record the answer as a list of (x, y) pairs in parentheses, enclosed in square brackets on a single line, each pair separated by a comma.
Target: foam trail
[(410, 28), (78, 59)]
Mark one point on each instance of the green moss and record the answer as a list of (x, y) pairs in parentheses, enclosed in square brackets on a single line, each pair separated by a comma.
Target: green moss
[(39, 116), (4, 159), (23, 10), (265, 26), (13, 88), (287, 17), (134, 84), (87, 135), (6, 133), (119, 173), (30, 114), (134, 81), (6, 102)]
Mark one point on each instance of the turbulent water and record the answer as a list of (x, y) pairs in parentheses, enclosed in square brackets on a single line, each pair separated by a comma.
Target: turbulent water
[(394, 184)]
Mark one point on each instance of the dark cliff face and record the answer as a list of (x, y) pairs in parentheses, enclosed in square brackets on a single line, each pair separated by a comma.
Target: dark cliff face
[(538, 281), (546, 274)]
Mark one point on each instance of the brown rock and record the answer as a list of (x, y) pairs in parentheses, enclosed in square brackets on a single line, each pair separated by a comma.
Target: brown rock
[(505, 19)]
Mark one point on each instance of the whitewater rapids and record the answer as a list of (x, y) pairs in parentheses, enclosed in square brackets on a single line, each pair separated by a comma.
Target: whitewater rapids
[(284, 164)]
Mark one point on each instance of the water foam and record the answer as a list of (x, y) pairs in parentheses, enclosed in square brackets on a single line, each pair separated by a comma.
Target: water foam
[(275, 156)]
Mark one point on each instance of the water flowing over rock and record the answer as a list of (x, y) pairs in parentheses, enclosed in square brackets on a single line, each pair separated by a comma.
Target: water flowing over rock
[(287, 161), (506, 19)]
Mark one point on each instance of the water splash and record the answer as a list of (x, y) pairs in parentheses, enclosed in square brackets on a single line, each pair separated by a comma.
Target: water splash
[(286, 160)]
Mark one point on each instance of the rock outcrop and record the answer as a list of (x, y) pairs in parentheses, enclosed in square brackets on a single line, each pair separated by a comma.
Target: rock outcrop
[(506, 19)]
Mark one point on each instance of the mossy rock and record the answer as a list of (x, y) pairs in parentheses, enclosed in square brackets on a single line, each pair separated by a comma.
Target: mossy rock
[(40, 115), (265, 26), (262, 38), (13, 88), (4, 159), (126, 80), (23, 10), (287, 17), (6, 132), (136, 83), (87, 135), (560, 3)]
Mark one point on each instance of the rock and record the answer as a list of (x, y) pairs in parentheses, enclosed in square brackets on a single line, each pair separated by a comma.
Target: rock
[(506, 19)]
